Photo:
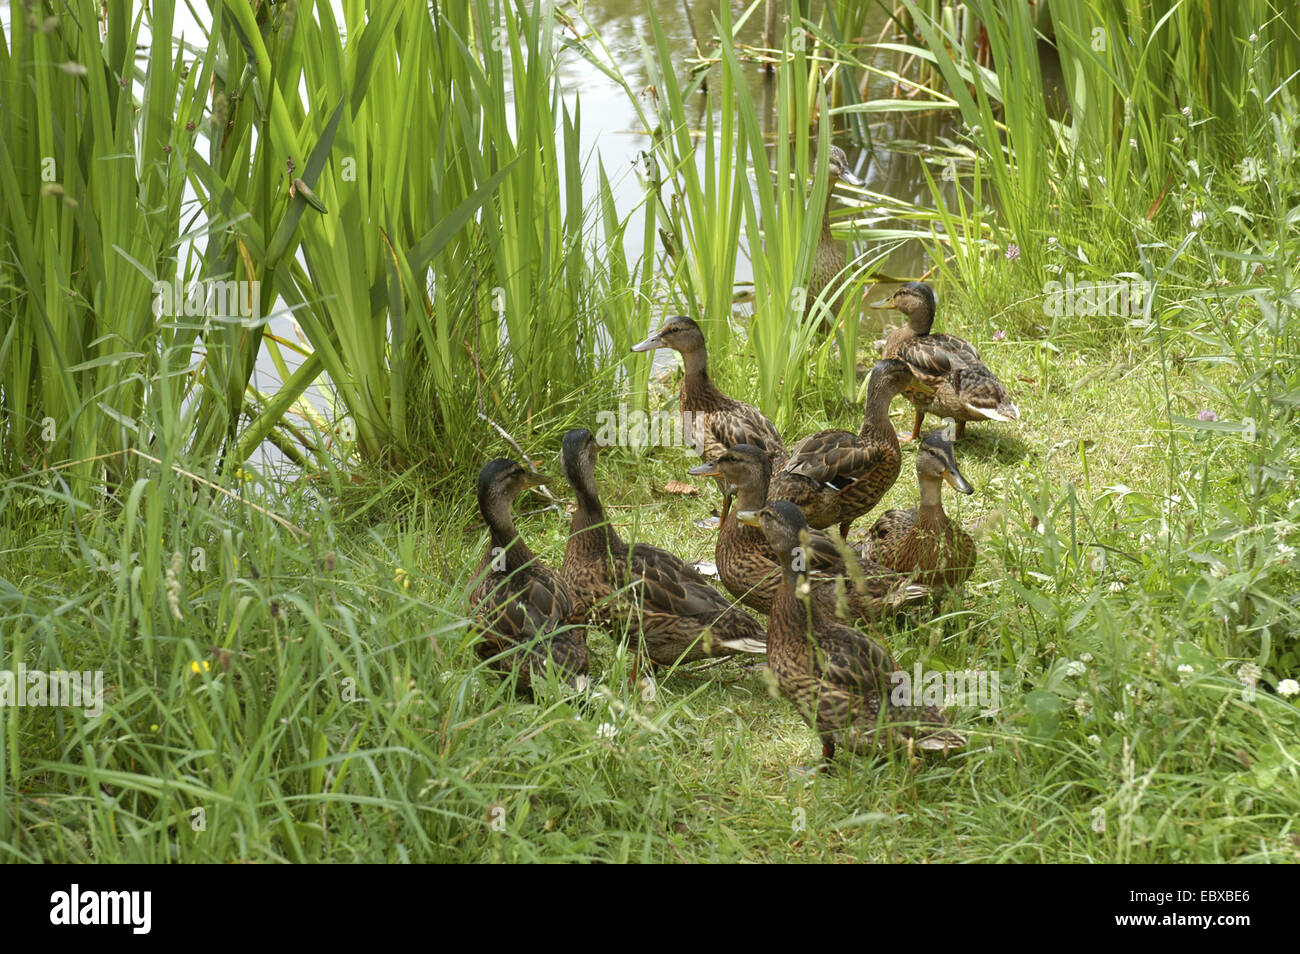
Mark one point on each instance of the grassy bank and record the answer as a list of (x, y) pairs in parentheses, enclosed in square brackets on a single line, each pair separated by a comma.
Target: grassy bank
[(287, 671)]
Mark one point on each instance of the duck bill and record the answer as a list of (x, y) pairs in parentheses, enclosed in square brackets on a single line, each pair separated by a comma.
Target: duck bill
[(958, 482), (748, 517), (535, 480), (850, 178), (883, 305), (707, 469), (650, 344)]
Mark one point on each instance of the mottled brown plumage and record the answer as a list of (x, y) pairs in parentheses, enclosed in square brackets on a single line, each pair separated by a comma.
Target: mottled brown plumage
[(924, 542), (963, 388), (711, 421), (830, 260), (749, 568), (839, 679), (836, 476), (517, 602), (639, 589)]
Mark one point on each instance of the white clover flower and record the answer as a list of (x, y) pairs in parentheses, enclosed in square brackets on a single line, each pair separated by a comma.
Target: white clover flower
[(1085, 657), (1199, 219), (1288, 688), (1254, 38), (1051, 240), (1187, 111), (1186, 668), (606, 730), (1094, 740), (1083, 706), (1119, 717), (1248, 674), (1075, 668), (1117, 586)]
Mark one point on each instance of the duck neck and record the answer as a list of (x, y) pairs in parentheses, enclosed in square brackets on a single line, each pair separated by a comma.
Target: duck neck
[(698, 389), (875, 418), (826, 212), (921, 321), (788, 608), (748, 497), (930, 512), (589, 517), (504, 537)]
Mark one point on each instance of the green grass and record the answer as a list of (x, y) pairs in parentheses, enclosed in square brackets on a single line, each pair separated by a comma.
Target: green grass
[(433, 750)]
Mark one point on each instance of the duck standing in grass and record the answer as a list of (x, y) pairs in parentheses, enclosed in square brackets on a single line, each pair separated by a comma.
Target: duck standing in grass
[(750, 571), (924, 542), (962, 387), (830, 260), (711, 420), (643, 590), (839, 679), (836, 476), (517, 601)]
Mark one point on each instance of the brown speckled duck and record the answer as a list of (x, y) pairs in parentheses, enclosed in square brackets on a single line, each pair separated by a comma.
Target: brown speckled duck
[(517, 602), (840, 680), (749, 568), (963, 388), (924, 542), (711, 420), (836, 476), (830, 260), (640, 589)]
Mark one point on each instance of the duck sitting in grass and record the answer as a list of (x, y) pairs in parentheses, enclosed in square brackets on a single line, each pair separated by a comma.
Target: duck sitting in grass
[(643, 590), (749, 568), (836, 476), (517, 602), (962, 387), (923, 542), (839, 679)]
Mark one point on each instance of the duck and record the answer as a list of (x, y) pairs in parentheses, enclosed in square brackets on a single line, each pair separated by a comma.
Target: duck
[(835, 476), (652, 595), (842, 681), (711, 421), (518, 602), (750, 571), (829, 259), (923, 542), (963, 388)]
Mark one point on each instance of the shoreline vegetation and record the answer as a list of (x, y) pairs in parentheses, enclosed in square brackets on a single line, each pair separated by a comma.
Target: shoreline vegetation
[(288, 670)]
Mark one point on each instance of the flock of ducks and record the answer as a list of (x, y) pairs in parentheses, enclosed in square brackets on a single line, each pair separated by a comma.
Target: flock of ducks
[(822, 596)]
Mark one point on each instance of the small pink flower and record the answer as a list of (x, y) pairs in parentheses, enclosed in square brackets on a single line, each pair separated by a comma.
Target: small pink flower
[(1207, 415), (999, 335), (1012, 252)]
